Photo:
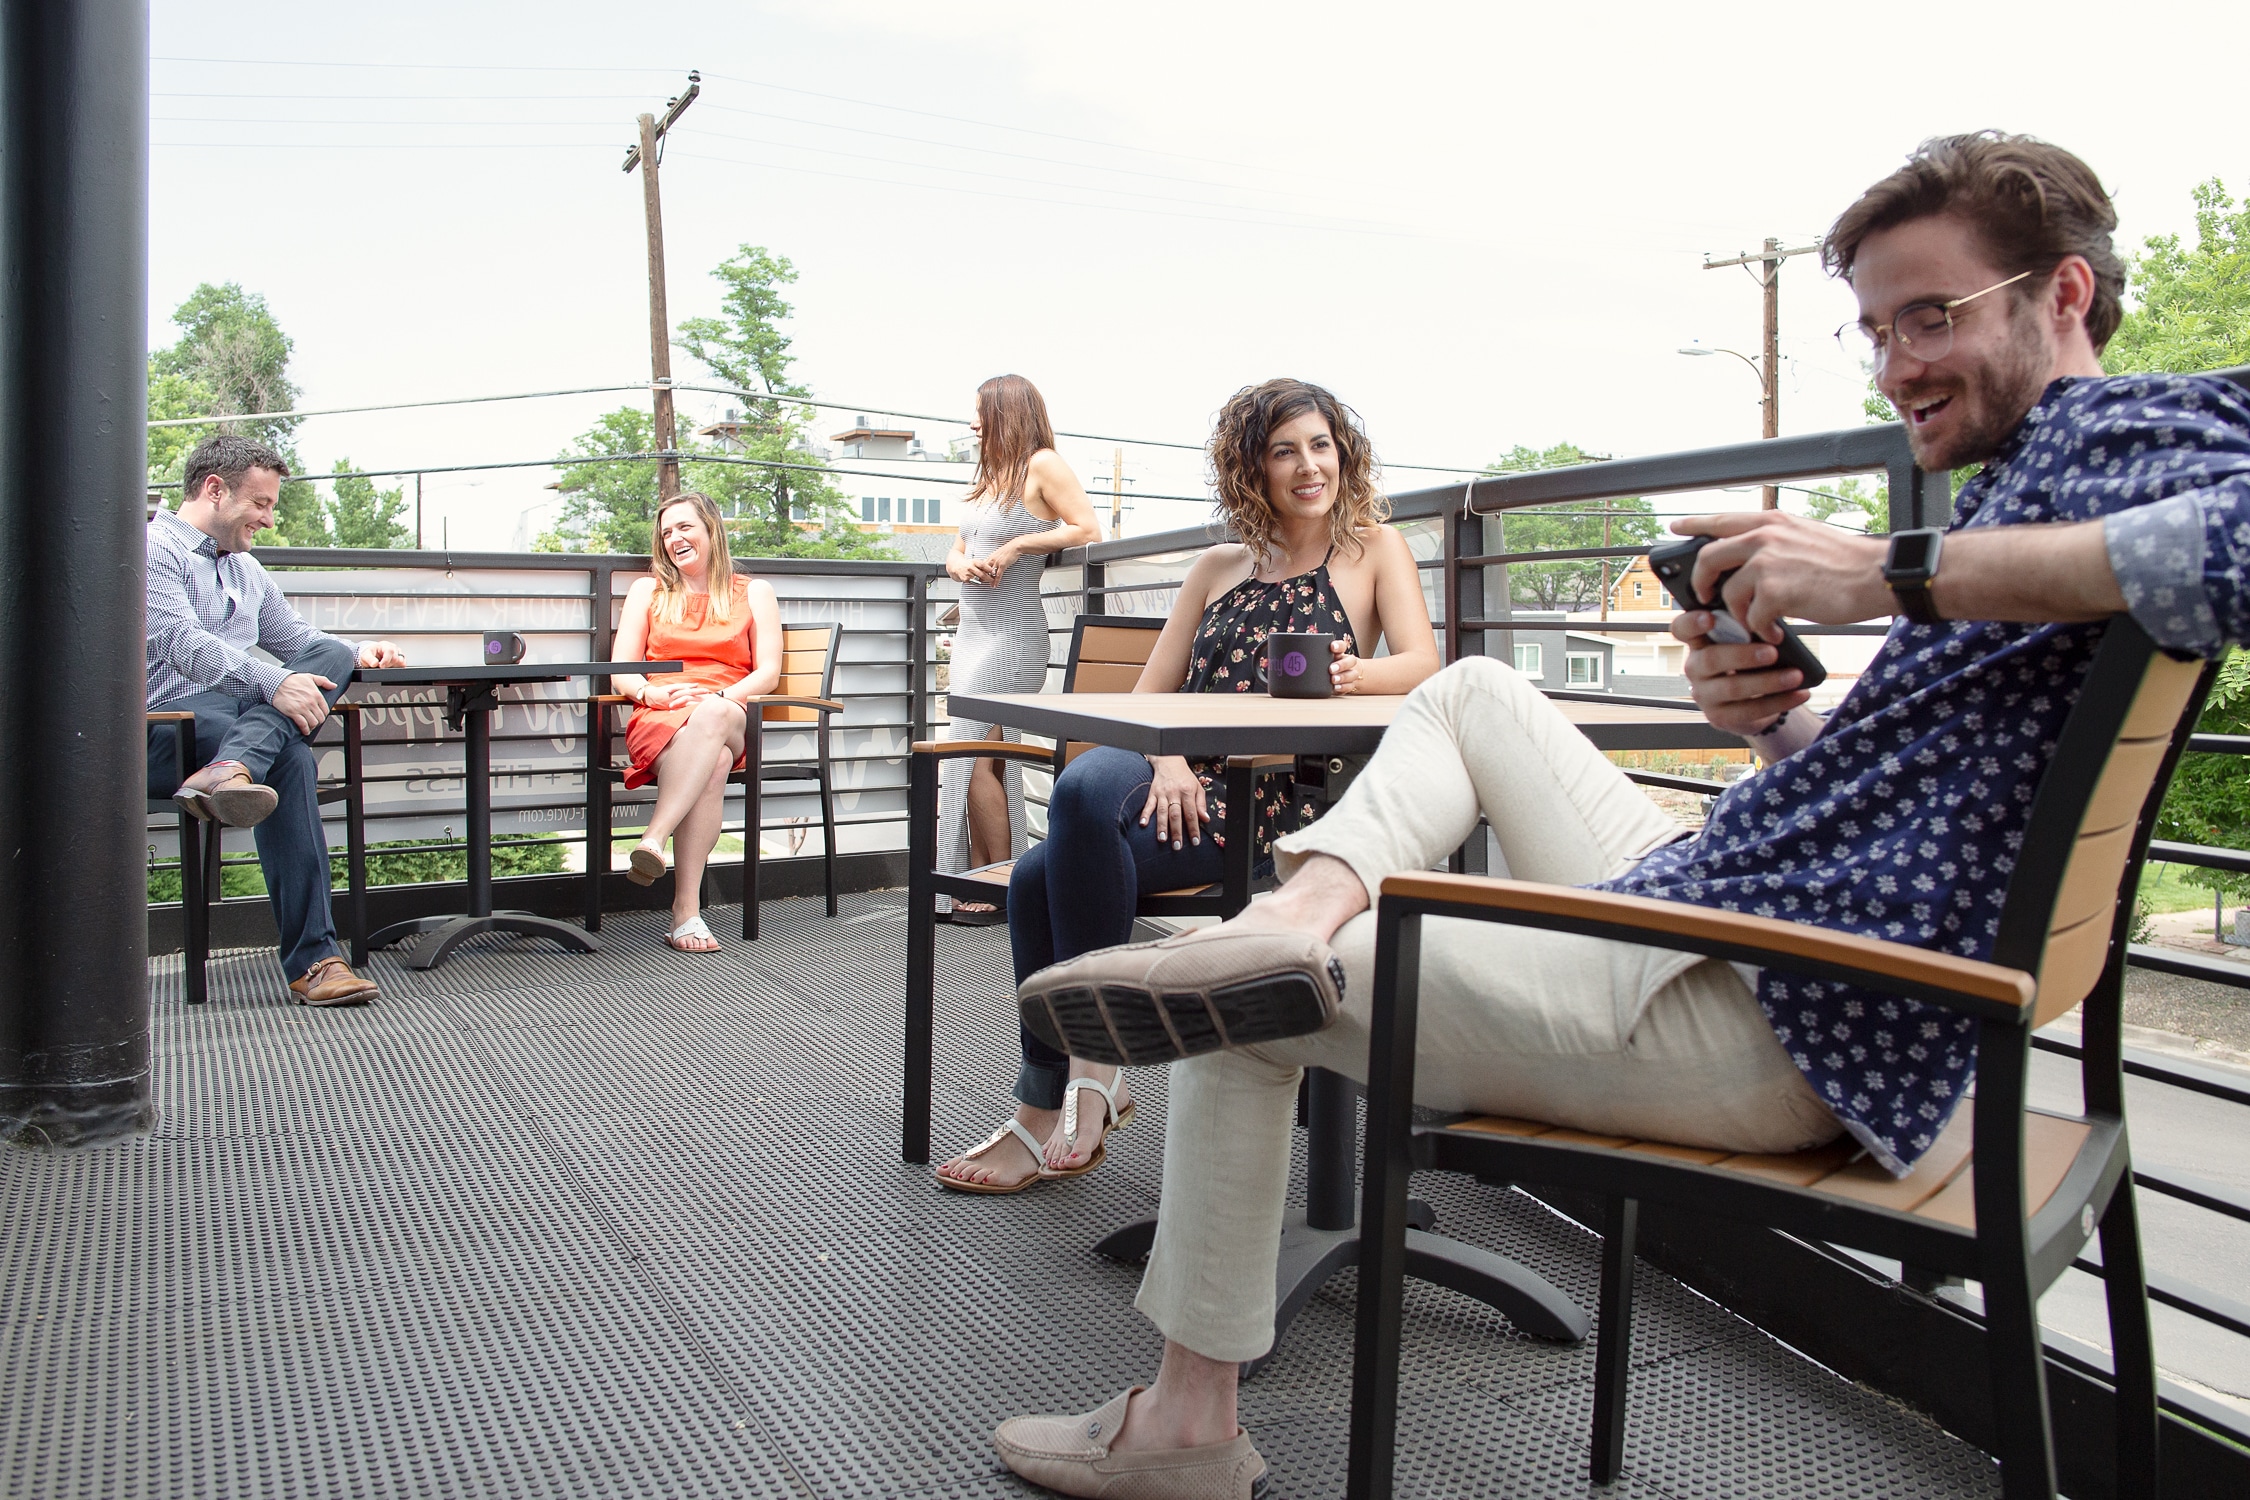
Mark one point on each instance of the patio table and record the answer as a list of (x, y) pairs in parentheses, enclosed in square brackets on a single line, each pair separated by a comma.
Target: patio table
[(1324, 1237), (470, 698)]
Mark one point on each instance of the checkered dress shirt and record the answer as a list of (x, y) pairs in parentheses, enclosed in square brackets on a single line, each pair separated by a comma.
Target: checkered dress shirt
[(206, 612)]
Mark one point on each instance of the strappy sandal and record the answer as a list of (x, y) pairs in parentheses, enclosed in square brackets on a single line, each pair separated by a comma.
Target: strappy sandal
[(1008, 1127), (1113, 1120), (693, 927), (645, 866)]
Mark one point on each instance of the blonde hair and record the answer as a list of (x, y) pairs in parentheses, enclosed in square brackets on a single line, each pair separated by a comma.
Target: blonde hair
[(1012, 421), (670, 602), (1238, 464)]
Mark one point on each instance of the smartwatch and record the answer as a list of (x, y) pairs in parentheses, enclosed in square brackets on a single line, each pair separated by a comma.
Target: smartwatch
[(1910, 568)]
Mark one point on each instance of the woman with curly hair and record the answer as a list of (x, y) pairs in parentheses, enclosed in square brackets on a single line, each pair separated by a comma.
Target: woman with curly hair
[(1296, 485)]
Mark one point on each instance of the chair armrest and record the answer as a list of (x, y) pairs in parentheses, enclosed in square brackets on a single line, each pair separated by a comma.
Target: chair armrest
[(787, 700), (604, 700), (168, 715), (993, 749), (1987, 991)]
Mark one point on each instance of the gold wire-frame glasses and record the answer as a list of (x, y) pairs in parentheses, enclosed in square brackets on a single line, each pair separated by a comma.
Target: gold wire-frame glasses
[(1923, 329)]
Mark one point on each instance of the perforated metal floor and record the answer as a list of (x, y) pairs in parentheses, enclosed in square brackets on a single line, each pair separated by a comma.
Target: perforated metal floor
[(633, 1223)]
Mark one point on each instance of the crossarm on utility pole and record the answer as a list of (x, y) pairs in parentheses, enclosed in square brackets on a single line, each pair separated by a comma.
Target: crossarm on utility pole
[(1769, 373)]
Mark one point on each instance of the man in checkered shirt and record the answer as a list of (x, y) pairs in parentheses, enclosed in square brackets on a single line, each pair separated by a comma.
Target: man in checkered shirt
[(209, 605)]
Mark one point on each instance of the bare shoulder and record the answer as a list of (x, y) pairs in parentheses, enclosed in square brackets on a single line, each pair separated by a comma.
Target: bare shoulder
[(1047, 465), (756, 589), (642, 591)]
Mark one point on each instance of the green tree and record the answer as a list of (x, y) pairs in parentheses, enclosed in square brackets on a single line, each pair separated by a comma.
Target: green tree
[(231, 357), (2209, 799), (1867, 502), (365, 516), (2192, 306), (1573, 582), (764, 477)]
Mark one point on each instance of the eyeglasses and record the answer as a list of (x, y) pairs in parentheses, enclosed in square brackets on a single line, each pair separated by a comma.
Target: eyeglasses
[(1923, 329)]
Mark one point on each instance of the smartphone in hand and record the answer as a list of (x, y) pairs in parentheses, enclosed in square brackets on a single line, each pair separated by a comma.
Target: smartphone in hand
[(1674, 564)]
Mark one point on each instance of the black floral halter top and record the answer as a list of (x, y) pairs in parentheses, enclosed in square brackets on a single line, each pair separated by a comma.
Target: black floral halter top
[(1229, 656)]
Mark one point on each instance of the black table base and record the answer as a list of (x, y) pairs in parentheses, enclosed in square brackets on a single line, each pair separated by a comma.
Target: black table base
[(448, 933), (1323, 1238)]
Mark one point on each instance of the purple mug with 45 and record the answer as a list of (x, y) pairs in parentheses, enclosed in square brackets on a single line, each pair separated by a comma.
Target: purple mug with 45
[(1297, 665)]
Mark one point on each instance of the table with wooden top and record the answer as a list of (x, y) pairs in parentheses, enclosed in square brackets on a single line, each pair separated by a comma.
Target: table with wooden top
[(1324, 1237)]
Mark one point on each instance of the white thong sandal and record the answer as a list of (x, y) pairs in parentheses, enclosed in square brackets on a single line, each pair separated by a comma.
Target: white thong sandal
[(693, 927), (1008, 1127), (1113, 1120)]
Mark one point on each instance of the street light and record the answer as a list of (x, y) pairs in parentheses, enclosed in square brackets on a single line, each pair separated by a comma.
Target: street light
[(1770, 401)]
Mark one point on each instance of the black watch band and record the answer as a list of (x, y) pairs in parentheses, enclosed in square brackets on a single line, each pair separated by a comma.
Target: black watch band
[(1910, 568)]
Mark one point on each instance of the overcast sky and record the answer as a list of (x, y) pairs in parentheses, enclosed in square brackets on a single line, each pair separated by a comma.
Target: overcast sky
[(1480, 224)]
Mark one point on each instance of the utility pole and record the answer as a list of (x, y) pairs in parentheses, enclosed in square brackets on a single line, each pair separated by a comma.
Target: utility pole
[(644, 156), (1768, 277), (1116, 493)]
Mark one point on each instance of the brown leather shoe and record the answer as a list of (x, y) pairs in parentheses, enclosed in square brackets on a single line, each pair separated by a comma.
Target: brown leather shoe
[(332, 982), (222, 792)]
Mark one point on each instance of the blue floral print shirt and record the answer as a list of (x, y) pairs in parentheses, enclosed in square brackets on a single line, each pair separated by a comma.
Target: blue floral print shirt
[(1902, 819)]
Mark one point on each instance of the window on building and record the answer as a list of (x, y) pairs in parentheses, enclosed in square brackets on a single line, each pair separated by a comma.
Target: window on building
[(883, 508), (935, 503), (1585, 669), (1636, 588), (797, 511), (1527, 660), (867, 507), (917, 510)]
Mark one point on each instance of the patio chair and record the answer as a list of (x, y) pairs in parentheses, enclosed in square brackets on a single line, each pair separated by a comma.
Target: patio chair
[(199, 849), (806, 696), (1107, 653), (2009, 1195)]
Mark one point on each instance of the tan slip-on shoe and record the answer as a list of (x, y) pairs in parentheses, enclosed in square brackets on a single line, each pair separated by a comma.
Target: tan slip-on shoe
[(1070, 1455), (332, 982), (1198, 992), (222, 792)]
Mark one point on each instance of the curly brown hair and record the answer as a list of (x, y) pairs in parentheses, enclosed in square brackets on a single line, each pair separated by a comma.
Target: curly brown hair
[(2033, 204), (1238, 463)]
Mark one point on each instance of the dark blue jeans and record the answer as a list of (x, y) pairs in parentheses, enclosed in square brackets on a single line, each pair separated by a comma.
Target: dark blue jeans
[(1077, 891), (292, 850)]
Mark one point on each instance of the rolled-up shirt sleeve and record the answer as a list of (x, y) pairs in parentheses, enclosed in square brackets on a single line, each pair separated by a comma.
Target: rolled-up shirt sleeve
[(2182, 558), (2156, 551), (177, 638)]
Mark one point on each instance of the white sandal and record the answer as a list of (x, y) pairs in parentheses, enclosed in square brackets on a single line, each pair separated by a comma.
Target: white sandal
[(1112, 1120), (693, 927), (1008, 1127)]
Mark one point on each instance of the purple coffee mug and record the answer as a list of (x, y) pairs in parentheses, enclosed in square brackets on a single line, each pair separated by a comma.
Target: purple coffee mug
[(1297, 665)]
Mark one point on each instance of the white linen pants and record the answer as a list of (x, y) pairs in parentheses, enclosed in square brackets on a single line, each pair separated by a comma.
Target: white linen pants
[(1602, 1036)]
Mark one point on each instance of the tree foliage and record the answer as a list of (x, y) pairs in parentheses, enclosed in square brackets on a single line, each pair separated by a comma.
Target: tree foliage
[(2209, 800), (2192, 306), (1572, 583), (772, 511), (363, 515)]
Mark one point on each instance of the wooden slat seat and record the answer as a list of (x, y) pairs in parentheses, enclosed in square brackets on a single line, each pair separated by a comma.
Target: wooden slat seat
[(1937, 1188)]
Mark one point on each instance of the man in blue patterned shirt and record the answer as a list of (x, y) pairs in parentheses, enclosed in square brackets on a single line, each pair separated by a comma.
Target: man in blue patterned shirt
[(1987, 287), (209, 605)]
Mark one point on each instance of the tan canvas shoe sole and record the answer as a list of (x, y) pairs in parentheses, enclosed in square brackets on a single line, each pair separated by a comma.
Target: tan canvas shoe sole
[(240, 804), (1198, 992)]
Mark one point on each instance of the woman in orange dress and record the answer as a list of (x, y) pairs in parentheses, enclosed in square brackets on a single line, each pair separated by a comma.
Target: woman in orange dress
[(690, 727)]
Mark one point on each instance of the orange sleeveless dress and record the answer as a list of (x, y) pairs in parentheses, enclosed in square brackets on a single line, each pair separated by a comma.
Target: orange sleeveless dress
[(717, 654)]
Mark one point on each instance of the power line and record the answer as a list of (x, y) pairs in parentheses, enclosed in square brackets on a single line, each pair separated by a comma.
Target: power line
[(708, 390), (278, 62)]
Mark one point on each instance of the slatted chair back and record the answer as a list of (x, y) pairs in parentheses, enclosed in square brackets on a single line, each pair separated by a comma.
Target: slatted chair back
[(808, 669), (1107, 653), (2064, 894)]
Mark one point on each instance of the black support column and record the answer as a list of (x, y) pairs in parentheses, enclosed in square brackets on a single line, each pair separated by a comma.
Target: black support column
[(74, 997)]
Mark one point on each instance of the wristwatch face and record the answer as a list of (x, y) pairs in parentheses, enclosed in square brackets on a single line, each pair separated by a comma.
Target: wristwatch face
[(1909, 561)]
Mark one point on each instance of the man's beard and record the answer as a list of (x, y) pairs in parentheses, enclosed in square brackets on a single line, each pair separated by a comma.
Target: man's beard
[(1991, 403)]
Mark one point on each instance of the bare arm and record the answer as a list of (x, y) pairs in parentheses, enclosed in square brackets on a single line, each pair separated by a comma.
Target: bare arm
[(1050, 490), (1784, 565), (765, 628), (631, 641), (1167, 665), (1402, 617)]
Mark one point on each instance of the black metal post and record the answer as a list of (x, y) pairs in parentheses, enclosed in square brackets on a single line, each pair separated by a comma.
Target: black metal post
[(74, 1013), (921, 955), (478, 769)]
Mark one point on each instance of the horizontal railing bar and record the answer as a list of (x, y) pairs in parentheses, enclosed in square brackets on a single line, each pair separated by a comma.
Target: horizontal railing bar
[(1576, 695), (2158, 1068), (439, 560), (1650, 627), (1556, 554), (1675, 783), (2203, 856), (1850, 450), (2189, 965), (2188, 1298), (2220, 744), (2215, 1196)]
